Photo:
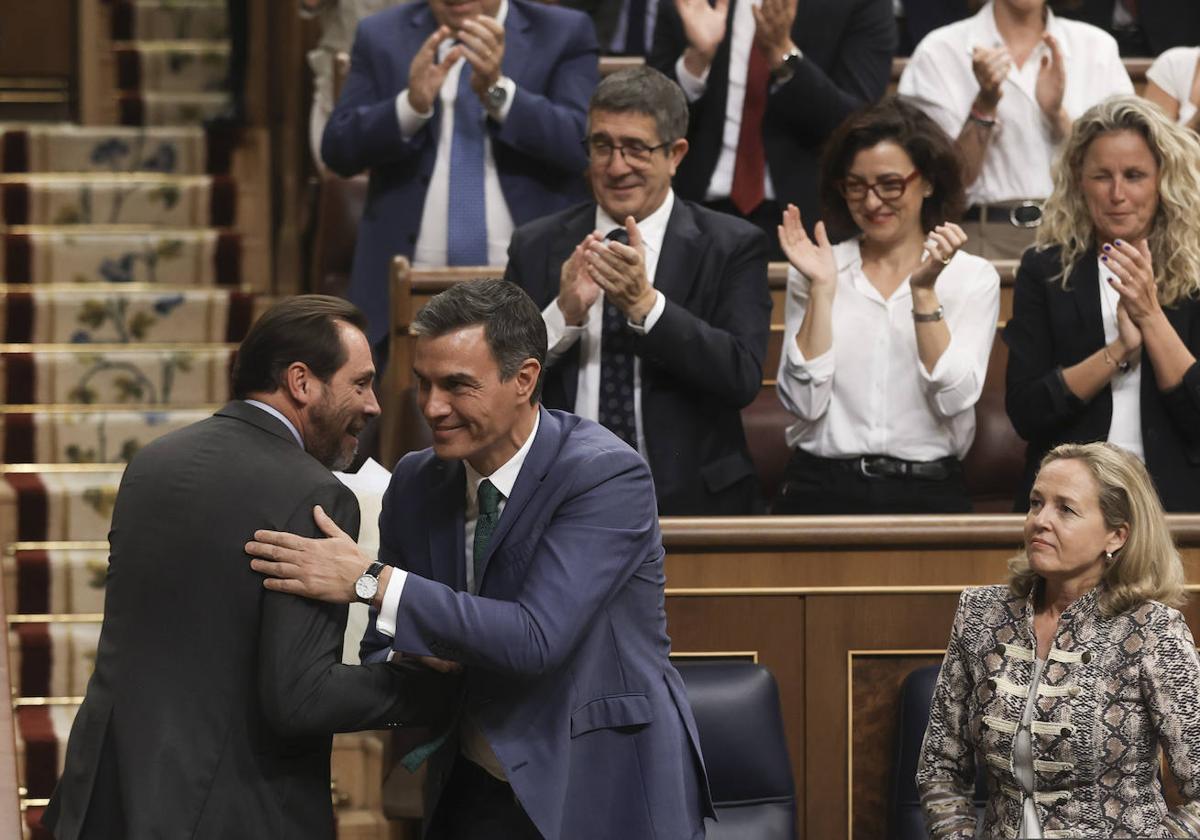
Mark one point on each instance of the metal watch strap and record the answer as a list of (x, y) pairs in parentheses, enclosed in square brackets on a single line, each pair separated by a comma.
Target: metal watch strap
[(926, 317)]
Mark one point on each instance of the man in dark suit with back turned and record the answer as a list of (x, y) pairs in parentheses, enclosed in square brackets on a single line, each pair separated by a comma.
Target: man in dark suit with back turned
[(768, 82), (661, 339), (210, 712)]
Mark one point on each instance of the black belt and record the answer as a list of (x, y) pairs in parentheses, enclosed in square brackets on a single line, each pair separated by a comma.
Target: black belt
[(885, 466), (1021, 214)]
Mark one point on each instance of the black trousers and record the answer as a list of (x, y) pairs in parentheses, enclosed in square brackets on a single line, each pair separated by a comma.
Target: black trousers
[(813, 485), (475, 805)]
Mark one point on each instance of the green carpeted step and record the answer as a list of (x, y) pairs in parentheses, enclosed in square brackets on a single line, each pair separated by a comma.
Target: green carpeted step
[(104, 374), (63, 435), (150, 108), (168, 67), (58, 578), (123, 314), (63, 503), (118, 199), (171, 20), (101, 149), (183, 257)]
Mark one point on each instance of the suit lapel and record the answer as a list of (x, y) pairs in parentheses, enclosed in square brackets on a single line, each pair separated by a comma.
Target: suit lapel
[(518, 48), (537, 464), (682, 251), (1085, 288), (447, 520)]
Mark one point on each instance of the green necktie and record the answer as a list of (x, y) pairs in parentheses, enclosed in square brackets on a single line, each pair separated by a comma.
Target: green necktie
[(489, 514)]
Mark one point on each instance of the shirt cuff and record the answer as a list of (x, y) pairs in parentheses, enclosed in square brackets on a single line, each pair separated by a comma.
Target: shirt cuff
[(693, 86), (819, 369), (656, 311), (510, 88), (385, 621), (559, 335), (411, 121)]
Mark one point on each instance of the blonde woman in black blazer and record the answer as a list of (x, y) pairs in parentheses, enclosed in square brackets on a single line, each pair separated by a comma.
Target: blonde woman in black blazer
[(1105, 330)]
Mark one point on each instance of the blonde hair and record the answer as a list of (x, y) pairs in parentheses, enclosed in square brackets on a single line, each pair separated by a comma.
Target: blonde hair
[(1174, 237), (1148, 566)]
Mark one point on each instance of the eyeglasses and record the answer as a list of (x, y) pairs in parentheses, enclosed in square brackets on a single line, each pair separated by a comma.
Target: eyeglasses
[(885, 189), (600, 150)]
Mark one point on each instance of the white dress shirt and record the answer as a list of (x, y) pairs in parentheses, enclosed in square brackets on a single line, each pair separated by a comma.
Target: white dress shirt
[(472, 742), (1017, 164), (869, 394), (278, 415), (431, 241), (562, 337), (1174, 71), (741, 41), (1125, 430)]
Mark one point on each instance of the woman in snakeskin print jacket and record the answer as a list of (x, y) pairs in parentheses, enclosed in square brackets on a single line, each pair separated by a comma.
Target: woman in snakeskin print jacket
[(1062, 684)]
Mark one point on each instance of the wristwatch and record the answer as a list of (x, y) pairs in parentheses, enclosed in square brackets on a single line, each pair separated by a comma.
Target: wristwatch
[(368, 583), (496, 95), (791, 63)]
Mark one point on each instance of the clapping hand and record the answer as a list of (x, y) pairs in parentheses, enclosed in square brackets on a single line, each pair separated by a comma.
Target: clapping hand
[(620, 271), (814, 260), (990, 66), (704, 27), (1133, 279), (577, 291), (773, 21), (483, 38), (426, 74), (1051, 80), (941, 245)]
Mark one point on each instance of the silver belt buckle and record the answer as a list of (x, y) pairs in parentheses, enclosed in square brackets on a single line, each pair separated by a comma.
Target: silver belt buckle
[(1015, 211), (866, 471)]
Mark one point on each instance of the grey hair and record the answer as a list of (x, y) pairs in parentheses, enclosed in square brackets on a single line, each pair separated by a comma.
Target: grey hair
[(512, 323), (644, 90)]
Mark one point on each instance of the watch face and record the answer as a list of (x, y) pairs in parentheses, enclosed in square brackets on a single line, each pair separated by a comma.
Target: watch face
[(497, 95), (366, 586)]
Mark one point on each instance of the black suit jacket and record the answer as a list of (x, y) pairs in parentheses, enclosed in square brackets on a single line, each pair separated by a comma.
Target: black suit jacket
[(1051, 329), (848, 47), (211, 708), (702, 361), (1166, 23)]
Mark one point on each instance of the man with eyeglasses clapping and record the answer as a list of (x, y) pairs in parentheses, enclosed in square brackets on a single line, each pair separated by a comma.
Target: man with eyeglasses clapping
[(657, 309)]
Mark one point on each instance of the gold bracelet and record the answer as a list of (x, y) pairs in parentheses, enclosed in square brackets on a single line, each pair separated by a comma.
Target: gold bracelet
[(1122, 366)]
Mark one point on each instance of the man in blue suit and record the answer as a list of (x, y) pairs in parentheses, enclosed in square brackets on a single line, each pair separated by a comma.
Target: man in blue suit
[(524, 546), (469, 116)]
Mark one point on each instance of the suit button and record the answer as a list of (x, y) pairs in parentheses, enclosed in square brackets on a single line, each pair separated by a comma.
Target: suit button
[(1066, 731), (991, 684), (1086, 657), (1074, 690)]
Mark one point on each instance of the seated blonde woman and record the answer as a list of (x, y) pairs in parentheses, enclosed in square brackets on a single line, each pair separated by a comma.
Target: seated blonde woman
[(1063, 684), (1173, 84)]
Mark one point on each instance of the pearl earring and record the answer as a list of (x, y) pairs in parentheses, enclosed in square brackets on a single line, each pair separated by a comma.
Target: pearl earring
[(1108, 557)]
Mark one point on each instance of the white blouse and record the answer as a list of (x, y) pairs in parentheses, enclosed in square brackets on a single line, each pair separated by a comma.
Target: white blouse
[(1174, 71), (869, 394)]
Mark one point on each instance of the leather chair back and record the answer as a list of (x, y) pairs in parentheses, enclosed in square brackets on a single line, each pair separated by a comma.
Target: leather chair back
[(916, 695), (996, 461), (736, 706)]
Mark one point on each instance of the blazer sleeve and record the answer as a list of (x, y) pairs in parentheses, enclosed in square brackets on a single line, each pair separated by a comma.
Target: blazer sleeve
[(1170, 677), (551, 126), (723, 356), (303, 685), (946, 770), (1036, 396), (815, 100), (364, 130), (602, 534)]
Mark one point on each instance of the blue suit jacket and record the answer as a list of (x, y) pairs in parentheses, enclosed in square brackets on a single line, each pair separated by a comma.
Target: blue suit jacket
[(552, 56), (565, 648)]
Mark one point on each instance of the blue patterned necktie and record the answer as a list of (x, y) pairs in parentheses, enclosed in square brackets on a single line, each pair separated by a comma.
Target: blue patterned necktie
[(466, 225), (489, 515), (616, 367)]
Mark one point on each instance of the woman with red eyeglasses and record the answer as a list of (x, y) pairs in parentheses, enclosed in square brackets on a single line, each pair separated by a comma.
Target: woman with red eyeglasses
[(887, 333)]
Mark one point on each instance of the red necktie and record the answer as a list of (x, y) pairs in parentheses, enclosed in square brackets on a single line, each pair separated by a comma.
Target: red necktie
[(750, 166)]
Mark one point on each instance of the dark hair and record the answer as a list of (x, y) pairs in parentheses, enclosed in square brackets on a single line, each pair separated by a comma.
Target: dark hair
[(644, 90), (512, 323), (296, 329), (933, 153)]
